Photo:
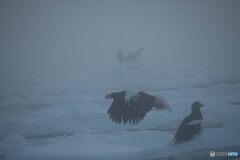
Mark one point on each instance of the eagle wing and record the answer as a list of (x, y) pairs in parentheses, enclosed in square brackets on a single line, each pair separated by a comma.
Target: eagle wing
[(181, 128), (186, 131), (133, 110)]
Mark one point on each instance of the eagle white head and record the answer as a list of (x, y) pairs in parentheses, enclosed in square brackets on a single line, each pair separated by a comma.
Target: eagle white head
[(160, 103)]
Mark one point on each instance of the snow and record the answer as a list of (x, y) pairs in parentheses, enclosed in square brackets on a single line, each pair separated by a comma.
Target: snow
[(59, 59), (69, 121), (14, 139)]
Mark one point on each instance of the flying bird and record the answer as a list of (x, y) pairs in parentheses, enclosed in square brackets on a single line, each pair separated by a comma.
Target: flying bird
[(132, 106), (191, 125), (130, 57)]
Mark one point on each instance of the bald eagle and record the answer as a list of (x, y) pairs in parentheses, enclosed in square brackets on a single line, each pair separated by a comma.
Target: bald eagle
[(132, 106), (130, 57)]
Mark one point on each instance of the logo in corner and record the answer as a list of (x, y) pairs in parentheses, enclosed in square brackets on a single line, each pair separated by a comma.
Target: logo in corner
[(212, 154)]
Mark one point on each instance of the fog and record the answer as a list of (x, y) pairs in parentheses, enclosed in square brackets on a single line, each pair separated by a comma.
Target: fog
[(49, 39), (59, 58)]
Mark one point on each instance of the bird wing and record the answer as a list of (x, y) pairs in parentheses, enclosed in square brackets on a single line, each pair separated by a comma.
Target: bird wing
[(139, 106), (133, 110), (181, 128), (118, 111), (120, 56), (187, 130), (134, 55)]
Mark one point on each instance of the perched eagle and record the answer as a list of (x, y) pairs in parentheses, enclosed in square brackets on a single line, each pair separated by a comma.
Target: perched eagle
[(191, 125), (132, 106)]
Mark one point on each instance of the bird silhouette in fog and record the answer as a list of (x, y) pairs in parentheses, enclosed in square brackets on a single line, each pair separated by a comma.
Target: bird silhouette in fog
[(130, 57), (191, 125), (132, 106)]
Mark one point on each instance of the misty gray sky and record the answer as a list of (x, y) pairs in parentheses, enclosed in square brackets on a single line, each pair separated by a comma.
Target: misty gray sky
[(60, 36)]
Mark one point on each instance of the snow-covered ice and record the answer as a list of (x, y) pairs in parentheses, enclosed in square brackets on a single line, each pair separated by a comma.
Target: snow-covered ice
[(69, 121), (58, 60)]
